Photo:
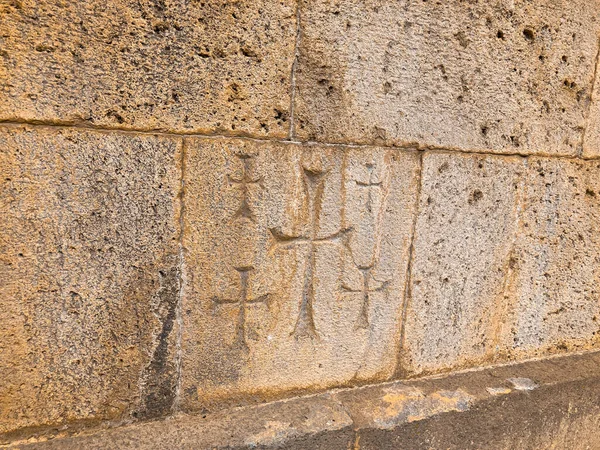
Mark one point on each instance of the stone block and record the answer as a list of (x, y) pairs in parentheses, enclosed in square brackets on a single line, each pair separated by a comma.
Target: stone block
[(464, 236), (299, 424), (296, 260), (591, 142), (89, 276), (506, 76), (560, 412), (471, 410), (553, 285), (178, 65)]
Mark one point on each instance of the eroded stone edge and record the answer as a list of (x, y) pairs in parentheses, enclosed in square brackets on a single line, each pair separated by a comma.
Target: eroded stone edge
[(343, 414)]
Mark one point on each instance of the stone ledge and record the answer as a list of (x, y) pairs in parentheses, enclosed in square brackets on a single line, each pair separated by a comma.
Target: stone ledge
[(536, 404)]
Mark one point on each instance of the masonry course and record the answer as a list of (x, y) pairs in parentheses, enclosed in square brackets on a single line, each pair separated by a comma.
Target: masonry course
[(537, 404), (211, 209)]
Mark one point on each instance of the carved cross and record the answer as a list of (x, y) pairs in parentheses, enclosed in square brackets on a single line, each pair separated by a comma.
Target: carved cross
[(369, 185), (366, 290), (245, 210), (314, 186), (242, 301)]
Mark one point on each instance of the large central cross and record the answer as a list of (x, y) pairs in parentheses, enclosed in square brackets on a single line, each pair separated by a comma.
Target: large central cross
[(314, 186), (242, 301)]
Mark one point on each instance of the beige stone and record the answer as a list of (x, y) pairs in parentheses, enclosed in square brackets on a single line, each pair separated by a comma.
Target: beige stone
[(591, 142), (88, 276), (295, 266), (507, 76), (455, 412), (555, 281), (464, 236), (178, 65)]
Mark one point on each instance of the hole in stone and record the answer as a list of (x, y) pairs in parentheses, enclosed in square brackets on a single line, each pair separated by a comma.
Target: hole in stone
[(528, 34), (476, 195)]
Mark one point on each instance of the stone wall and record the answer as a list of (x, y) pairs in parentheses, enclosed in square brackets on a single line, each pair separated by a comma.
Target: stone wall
[(212, 204)]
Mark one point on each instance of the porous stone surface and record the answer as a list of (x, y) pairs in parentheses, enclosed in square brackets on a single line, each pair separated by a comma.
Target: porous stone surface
[(591, 143), (88, 276), (464, 235), (561, 411), (178, 65), (553, 285), (303, 423), (295, 267), (558, 410), (500, 76)]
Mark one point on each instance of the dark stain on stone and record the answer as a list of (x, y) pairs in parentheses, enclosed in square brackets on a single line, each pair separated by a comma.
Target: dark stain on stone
[(159, 377)]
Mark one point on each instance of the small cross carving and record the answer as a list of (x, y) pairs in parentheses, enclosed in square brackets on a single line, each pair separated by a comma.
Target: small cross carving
[(245, 210), (366, 290), (243, 301), (369, 185)]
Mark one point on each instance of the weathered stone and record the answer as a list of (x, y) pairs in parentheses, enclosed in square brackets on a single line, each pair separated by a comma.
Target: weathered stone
[(452, 412), (591, 142), (295, 266), (179, 65), (554, 284), (468, 218), (507, 76), (88, 276), (299, 424), (560, 412)]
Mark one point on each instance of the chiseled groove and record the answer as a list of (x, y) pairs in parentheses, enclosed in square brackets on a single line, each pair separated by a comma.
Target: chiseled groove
[(507, 302), (589, 108), (404, 146), (292, 130), (178, 312), (408, 277)]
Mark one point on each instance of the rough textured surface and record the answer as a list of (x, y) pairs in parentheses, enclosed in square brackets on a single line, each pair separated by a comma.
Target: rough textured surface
[(88, 276), (504, 76), (554, 283), (468, 219), (179, 65), (440, 212), (591, 143), (301, 424), (560, 412), (454, 412), (295, 266)]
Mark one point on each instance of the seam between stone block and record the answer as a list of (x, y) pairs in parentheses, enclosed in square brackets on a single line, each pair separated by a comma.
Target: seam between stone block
[(408, 277), (407, 146), (589, 108), (292, 131)]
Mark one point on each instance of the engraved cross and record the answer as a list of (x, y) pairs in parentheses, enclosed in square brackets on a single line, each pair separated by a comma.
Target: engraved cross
[(369, 185), (314, 186), (244, 183), (366, 290), (243, 301)]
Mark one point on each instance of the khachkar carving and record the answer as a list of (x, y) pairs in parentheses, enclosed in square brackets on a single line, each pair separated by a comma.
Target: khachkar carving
[(245, 211), (296, 262), (242, 302), (244, 183), (364, 246), (314, 185)]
